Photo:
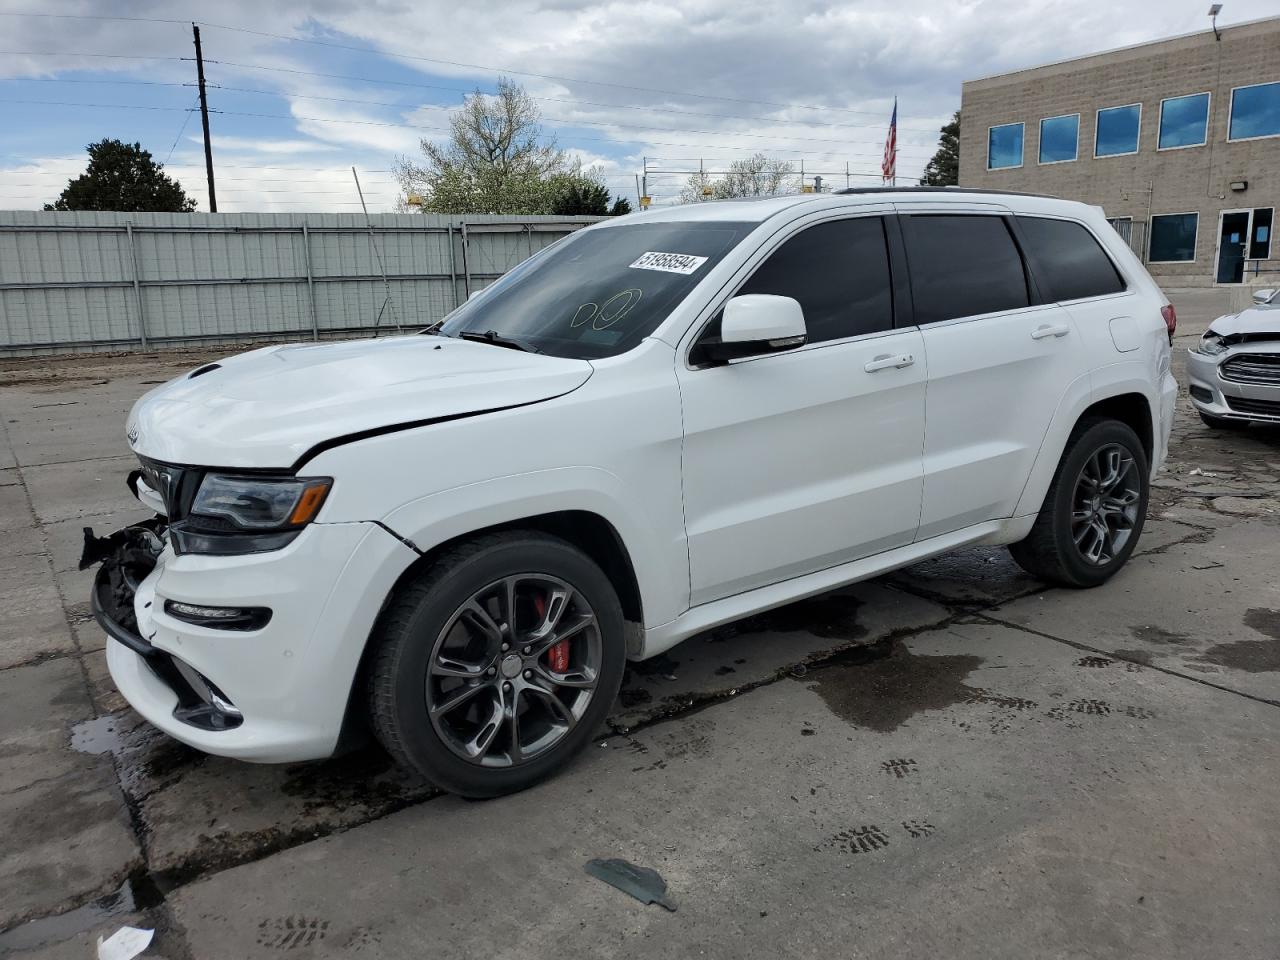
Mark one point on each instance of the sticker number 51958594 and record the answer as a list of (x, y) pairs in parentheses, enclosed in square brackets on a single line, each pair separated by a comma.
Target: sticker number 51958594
[(668, 262)]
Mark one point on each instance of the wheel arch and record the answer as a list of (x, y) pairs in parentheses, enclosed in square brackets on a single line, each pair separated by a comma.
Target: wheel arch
[(1126, 402), (590, 532)]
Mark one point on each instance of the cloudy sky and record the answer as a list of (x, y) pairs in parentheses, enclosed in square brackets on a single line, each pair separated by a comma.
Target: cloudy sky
[(305, 89)]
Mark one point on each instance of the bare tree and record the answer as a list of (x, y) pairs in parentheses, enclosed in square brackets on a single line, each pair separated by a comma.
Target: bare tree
[(757, 176), (496, 160)]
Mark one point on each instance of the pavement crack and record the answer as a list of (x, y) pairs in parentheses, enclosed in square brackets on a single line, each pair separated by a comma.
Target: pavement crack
[(1120, 656)]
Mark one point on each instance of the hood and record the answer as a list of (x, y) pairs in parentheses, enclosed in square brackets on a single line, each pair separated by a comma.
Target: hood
[(268, 407), (1260, 318)]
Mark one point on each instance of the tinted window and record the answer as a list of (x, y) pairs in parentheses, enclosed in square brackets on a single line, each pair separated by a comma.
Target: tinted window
[(1117, 131), (1004, 146), (1173, 237), (962, 266), (1067, 260), (1255, 111), (839, 272), (1260, 241), (1183, 121), (599, 292), (1058, 138)]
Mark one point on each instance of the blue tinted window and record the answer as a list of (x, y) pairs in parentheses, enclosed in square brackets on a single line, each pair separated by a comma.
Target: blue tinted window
[(1255, 111), (1183, 121), (1173, 237), (1118, 130), (1004, 146), (1058, 138)]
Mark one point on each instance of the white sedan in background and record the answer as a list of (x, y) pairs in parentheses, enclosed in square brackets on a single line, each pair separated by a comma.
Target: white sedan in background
[(1235, 369)]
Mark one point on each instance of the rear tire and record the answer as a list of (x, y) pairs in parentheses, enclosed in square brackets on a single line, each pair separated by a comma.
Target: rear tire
[(483, 702), (1094, 511), (1222, 423)]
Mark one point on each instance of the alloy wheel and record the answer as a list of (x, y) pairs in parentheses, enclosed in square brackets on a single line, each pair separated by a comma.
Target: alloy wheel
[(1104, 505), (513, 670)]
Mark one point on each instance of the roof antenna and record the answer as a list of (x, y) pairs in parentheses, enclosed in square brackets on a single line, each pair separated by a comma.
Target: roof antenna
[(1214, 10)]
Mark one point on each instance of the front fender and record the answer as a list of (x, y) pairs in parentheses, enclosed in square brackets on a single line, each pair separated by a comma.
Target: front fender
[(657, 552)]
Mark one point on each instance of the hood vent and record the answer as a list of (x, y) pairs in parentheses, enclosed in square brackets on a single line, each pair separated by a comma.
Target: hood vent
[(201, 371)]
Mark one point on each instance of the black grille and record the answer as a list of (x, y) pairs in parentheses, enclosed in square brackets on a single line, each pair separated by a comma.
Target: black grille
[(1266, 408), (176, 485), (1252, 368)]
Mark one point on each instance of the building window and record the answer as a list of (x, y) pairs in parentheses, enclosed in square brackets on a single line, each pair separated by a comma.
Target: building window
[(1173, 238), (1004, 146), (1124, 227), (1184, 121), (1260, 237), (1059, 137), (1116, 133), (1255, 112)]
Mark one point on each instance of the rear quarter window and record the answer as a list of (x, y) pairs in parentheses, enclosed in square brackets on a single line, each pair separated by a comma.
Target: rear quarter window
[(1068, 262)]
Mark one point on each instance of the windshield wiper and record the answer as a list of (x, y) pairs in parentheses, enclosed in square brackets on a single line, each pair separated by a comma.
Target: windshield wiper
[(498, 340)]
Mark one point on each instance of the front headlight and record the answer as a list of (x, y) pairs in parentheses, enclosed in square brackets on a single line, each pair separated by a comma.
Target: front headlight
[(248, 514), (1212, 344)]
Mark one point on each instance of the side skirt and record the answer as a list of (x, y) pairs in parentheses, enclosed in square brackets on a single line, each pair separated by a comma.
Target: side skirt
[(705, 616)]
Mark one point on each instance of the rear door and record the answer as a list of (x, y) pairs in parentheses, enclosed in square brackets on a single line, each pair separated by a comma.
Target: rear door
[(999, 362)]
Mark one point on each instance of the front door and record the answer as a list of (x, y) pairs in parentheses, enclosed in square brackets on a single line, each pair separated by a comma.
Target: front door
[(796, 462), (1233, 240)]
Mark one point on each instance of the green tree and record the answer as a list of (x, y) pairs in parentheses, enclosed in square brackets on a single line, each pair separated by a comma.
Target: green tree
[(122, 176), (944, 169), (621, 207)]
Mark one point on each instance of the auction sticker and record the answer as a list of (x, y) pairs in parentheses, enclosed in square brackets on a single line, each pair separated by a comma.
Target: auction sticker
[(668, 262)]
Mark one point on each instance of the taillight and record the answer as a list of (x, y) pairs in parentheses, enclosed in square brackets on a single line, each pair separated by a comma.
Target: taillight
[(1170, 319)]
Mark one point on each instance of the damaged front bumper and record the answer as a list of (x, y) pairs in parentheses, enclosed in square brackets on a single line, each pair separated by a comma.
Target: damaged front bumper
[(270, 688), (128, 557)]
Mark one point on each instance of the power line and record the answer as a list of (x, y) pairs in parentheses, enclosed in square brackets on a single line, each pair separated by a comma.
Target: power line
[(525, 73), (77, 53), (453, 63), (571, 100), (410, 126), (563, 120), (181, 130)]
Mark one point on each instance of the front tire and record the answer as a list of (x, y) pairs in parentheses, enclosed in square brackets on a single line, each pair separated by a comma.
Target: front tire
[(1094, 511), (498, 665)]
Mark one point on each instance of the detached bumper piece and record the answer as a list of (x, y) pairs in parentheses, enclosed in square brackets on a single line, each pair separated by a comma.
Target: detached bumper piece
[(127, 557)]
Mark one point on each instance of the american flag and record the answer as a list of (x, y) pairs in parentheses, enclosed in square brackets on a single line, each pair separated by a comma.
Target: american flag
[(889, 166)]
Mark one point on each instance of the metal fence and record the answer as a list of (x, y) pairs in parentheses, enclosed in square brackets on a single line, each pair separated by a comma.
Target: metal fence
[(96, 281)]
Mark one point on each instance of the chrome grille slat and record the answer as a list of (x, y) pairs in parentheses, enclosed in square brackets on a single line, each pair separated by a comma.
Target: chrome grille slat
[(1263, 368)]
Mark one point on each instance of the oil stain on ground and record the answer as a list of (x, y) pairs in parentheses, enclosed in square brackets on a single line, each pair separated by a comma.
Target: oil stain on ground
[(889, 685)]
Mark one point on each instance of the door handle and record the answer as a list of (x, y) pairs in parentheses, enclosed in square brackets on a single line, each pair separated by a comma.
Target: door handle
[(1050, 330), (885, 361)]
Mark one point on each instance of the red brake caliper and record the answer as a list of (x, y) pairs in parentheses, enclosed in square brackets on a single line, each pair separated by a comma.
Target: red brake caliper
[(558, 655)]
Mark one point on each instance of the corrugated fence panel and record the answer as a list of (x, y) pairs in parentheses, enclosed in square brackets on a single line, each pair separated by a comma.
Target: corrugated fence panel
[(67, 279)]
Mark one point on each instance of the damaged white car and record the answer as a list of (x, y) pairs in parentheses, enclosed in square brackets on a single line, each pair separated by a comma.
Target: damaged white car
[(1234, 370), (657, 425)]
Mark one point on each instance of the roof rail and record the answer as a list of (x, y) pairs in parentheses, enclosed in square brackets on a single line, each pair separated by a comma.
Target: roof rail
[(998, 193)]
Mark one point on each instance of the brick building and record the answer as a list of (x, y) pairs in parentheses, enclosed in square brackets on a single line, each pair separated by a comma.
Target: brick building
[(1178, 140)]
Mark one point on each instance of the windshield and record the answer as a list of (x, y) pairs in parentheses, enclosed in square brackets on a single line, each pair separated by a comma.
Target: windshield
[(598, 293)]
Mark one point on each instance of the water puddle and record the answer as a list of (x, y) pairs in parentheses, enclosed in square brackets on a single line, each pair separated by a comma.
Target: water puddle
[(883, 690)]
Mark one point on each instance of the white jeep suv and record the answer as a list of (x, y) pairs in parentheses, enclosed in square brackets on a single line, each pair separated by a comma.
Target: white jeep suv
[(658, 424)]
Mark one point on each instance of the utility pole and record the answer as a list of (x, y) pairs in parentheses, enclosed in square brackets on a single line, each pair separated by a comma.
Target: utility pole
[(204, 120)]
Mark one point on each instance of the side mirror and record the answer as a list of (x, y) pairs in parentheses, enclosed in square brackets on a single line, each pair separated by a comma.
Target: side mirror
[(755, 324), (1263, 296)]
